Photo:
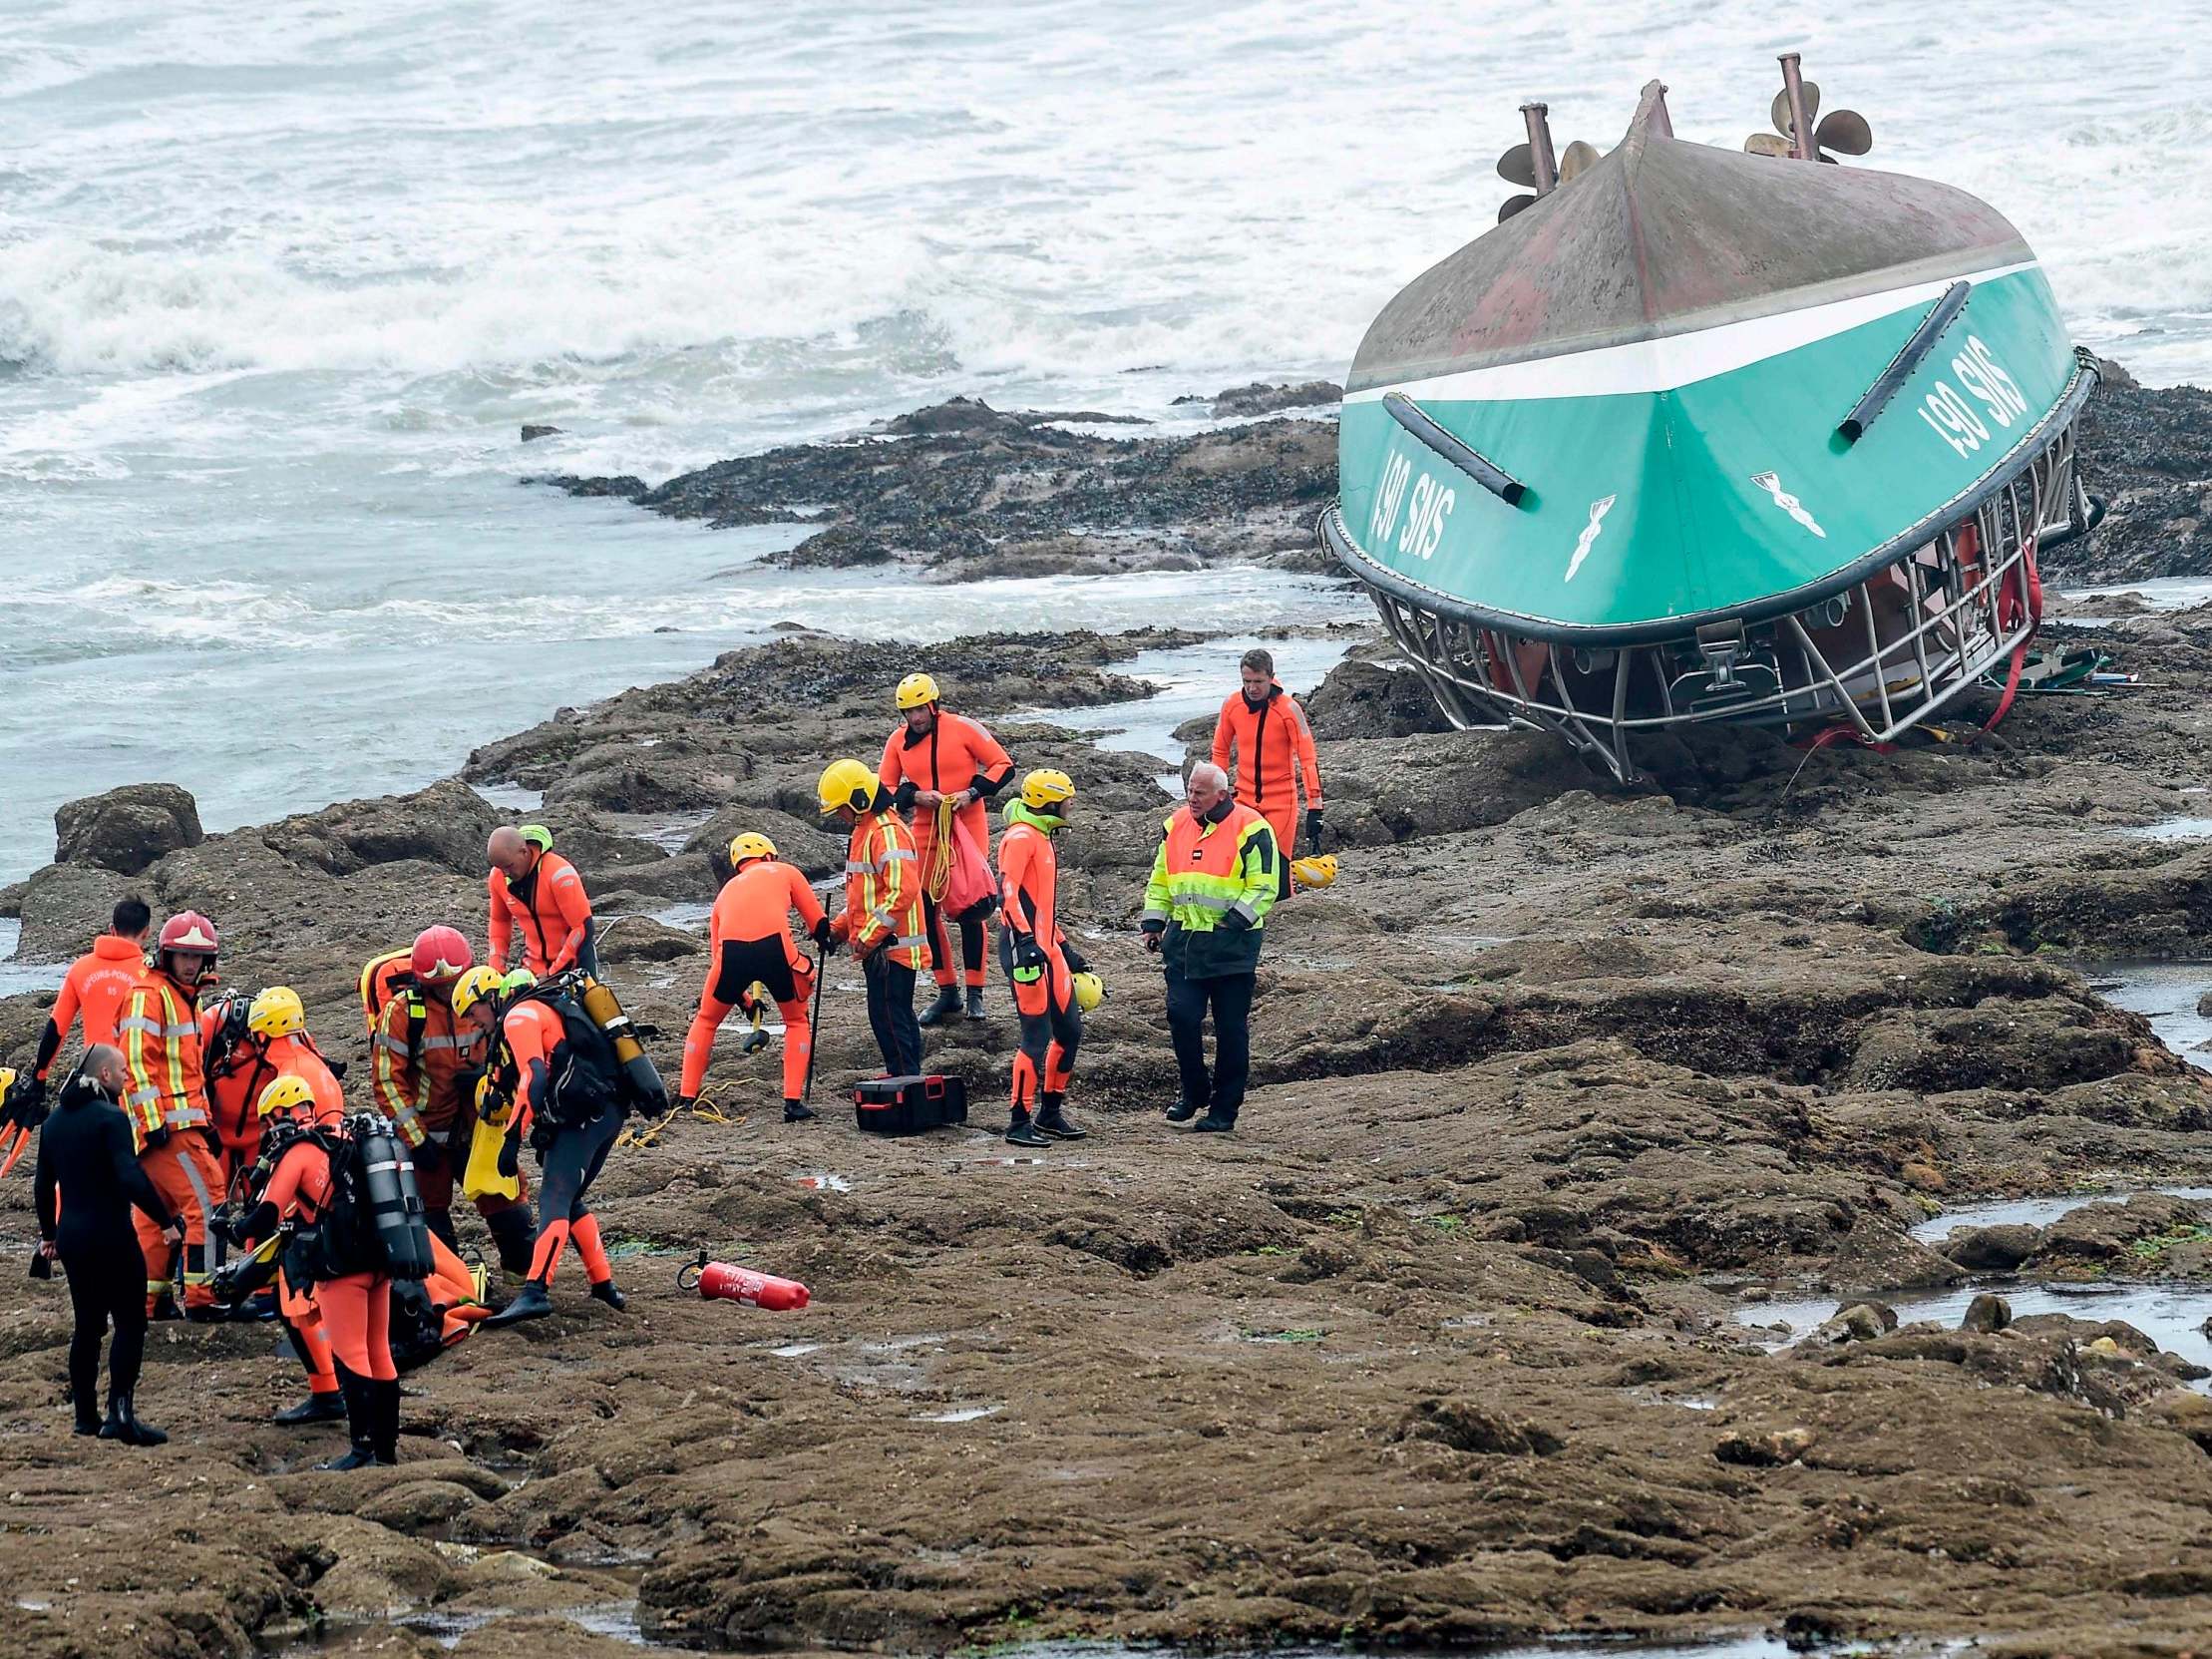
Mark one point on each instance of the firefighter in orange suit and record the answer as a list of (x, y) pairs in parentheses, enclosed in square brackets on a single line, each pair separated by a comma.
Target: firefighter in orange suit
[(168, 1106), (1040, 962), (932, 758), (882, 919), (1274, 746), (749, 942), (537, 899)]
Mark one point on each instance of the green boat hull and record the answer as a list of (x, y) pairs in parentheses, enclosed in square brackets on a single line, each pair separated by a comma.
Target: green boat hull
[(1650, 510)]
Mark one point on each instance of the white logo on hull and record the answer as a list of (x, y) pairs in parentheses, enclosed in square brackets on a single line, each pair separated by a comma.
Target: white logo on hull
[(1597, 511), (1772, 483)]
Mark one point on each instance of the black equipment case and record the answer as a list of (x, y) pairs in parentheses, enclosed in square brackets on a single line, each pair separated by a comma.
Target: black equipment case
[(903, 1106)]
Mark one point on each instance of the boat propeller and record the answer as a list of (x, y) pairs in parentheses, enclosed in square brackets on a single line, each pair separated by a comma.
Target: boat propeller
[(1844, 131), (1531, 165)]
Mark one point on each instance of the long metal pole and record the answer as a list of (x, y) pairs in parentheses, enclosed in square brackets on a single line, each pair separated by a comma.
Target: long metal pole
[(1541, 159), (1793, 85)]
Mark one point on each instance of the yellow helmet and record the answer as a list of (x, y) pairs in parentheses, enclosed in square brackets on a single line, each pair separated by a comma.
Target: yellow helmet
[(1089, 989), (846, 783), (285, 1096), (915, 691), (7, 1081), (517, 978), (1315, 872), (538, 836), (749, 846), (275, 1012), (473, 987), (1045, 790)]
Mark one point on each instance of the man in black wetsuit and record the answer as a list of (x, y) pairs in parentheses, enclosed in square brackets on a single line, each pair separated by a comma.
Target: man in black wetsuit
[(86, 1150)]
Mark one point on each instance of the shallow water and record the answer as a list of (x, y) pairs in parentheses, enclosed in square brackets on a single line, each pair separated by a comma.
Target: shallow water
[(2167, 592), (17, 978), (2035, 1212), (2171, 829), (2170, 1315), (2165, 994)]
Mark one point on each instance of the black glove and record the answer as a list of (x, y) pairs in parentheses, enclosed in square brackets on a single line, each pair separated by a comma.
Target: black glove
[(1234, 921), (822, 935), (1075, 962), (1313, 828), (511, 1153), (1029, 958), (1153, 935), (31, 1094), (429, 1157), (42, 1267), (157, 1137)]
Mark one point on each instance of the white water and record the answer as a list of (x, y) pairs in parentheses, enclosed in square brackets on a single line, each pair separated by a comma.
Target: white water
[(278, 283)]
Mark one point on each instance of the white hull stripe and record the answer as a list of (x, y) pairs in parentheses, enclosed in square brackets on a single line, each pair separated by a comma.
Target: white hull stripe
[(1673, 360)]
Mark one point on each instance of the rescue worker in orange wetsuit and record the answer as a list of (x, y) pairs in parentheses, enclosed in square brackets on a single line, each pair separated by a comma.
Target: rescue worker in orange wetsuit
[(936, 755), (245, 1046), (293, 1099), (524, 1049), (94, 989), (882, 919), (420, 1079), (536, 893), (1273, 745), (1040, 962), (749, 942), (352, 1294), (158, 1032)]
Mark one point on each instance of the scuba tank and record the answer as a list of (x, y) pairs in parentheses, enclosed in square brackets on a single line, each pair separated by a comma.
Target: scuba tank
[(395, 1206), (638, 1070)]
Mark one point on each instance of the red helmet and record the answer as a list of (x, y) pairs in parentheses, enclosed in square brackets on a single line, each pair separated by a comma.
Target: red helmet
[(441, 954), (189, 930)]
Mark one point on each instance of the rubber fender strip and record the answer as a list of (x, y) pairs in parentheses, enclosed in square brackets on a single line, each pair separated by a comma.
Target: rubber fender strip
[(1909, 357), (1417, 421)]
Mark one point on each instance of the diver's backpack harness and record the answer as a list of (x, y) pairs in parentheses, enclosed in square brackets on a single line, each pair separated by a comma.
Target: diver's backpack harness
[(586, 1077)]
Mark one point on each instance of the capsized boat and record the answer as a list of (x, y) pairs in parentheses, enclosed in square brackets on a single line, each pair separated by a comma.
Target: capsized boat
[(1696, 435)]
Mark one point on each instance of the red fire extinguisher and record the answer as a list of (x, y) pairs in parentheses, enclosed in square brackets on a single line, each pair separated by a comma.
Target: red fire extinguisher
[(721, 1280)]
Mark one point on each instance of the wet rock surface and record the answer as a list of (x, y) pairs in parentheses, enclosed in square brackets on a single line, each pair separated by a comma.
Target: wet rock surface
[(1264, 398), (2148, 453), (1442, 1347)]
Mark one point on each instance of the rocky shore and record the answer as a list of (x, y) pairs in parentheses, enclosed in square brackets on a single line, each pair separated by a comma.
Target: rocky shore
[(1562, 1093), (962, 490)]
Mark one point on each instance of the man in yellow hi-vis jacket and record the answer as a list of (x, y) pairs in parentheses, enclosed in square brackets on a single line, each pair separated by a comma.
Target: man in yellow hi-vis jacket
[(1212, 883)]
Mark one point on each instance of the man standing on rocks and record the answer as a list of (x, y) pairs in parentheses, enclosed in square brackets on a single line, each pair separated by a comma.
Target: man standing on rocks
[(537, 893), (1212, 883), (168, 1106), (932, 758), (749, 942), (95, 986), (1267, 729), (882, 919)]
